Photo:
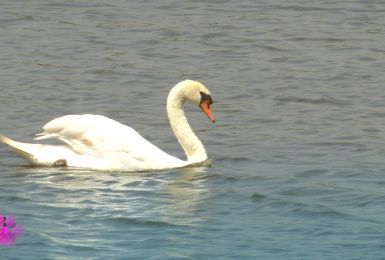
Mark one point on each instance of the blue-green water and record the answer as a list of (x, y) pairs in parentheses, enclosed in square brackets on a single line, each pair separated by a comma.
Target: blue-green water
[(298, 146)]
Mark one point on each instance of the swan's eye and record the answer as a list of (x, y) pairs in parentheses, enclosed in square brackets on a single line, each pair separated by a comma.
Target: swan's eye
[(206, 98)]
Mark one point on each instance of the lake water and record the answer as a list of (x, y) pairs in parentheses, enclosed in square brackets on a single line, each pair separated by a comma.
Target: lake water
[(298, 147)]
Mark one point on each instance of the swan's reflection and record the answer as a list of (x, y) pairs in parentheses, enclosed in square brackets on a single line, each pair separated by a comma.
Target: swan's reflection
[(186, 194), (173, 197)]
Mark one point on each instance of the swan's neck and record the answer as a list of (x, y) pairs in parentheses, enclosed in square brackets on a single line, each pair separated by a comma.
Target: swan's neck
[(190, 143)]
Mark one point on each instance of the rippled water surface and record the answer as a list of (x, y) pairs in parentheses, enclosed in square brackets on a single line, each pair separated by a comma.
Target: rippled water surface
[(298, 146)]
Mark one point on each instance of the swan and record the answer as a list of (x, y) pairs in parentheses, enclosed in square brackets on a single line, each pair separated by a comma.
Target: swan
[(99, 143)]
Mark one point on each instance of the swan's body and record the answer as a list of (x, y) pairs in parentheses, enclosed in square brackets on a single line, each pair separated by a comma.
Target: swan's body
[(100, 143)]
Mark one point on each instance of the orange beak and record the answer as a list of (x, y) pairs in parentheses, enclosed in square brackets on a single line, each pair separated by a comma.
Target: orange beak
[(205, 106)]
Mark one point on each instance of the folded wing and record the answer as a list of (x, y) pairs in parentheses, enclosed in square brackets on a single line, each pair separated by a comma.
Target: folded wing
[(99, 136)]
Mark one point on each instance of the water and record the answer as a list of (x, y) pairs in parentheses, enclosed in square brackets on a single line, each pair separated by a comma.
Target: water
[(297, 148)]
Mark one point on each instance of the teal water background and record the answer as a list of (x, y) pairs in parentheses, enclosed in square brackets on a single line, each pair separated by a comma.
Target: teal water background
[(298, 146)]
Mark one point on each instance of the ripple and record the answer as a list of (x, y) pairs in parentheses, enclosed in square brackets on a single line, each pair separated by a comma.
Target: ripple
[(317, 211), (138, 222), (312, 173), (258, 196), (313, 101)]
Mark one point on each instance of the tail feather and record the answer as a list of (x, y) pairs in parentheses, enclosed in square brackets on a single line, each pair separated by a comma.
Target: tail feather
[(40, 154), (4, 139), (20, 148)]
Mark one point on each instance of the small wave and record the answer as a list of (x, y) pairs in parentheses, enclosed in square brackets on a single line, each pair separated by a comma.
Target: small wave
[(311, 173), (321, 39), (232, 158), (139, 222), (287, 207), (258, 196), (318, 211), (313, 101), (221, 177)]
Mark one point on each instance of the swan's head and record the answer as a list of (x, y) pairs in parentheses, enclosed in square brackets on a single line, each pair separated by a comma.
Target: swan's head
[(198, 93)]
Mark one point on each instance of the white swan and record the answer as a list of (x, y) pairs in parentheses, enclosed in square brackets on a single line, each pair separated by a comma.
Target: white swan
[(100, 143)]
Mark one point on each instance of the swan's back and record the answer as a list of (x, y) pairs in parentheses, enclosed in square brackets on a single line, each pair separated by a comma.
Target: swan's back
[(108, 139)]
